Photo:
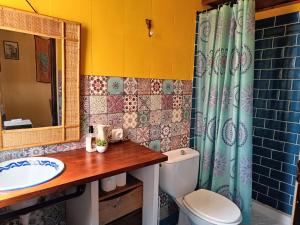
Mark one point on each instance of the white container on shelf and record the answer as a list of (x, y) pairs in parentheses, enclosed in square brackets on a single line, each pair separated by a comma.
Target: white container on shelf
[(109, 183), (121, 179)]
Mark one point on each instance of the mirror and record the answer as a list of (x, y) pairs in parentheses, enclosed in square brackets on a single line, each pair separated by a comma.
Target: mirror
[(39, 80), (30, 80)]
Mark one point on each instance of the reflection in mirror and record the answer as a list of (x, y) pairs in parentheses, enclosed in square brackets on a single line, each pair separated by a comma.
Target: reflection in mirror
[(30, 80)]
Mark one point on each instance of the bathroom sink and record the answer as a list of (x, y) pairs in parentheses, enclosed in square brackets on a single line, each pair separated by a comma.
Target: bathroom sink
[(27, 172)]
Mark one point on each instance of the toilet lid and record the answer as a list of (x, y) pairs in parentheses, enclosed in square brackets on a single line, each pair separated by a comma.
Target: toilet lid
[(212, 206)]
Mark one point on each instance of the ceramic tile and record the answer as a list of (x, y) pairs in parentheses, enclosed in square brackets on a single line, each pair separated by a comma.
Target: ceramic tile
[(115, 86), (156, 87), (98, 119), (165, 130), (98, 85), (175, 142), (184, 141), (177, 101), (167, 102), (163, 197), (98, 104), (146, 144), (155, 117), (187, 101), (166, 116), (144, 86), (34, 151), (155, 132), (186, 127), (186, 114), (84, 105), (155, 102), (143, 118), (165, 144), (131, 134), (168, 87), (187, 88), (130, 86), (155, 145), (144, 103), (176, 129), (50, 149), (115, 103), (130, 120), (11, 154), (178, 85), (84, 124), (176, 115), (115, 120), (142, 134), (84, 85), (130, 103)]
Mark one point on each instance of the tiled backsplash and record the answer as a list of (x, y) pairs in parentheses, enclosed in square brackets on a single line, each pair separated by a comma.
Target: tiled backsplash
[(152, 112), (155, 113), (276, 110)]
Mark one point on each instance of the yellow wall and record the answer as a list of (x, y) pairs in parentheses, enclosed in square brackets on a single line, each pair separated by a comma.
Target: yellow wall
[(114, 35), (23, 97)]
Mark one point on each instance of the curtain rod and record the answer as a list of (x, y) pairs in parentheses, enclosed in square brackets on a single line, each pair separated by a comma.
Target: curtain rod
[(230, 3)]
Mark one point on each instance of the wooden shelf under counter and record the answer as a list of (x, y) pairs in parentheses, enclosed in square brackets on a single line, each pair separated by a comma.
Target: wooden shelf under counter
[(117, 204)]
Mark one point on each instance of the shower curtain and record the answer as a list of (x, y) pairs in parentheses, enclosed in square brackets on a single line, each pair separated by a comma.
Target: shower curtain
[(224, 88)]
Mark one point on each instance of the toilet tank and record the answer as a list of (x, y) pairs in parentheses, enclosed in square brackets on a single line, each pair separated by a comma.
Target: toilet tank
[(178, 176)]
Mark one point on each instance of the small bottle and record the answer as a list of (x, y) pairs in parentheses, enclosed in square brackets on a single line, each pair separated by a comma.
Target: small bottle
[(90, 140)]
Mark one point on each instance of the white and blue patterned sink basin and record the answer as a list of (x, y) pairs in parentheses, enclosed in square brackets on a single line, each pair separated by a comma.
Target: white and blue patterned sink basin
[(27, 172)]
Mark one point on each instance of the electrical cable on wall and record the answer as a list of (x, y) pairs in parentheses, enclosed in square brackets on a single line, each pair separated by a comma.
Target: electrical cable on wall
[(31, 6)]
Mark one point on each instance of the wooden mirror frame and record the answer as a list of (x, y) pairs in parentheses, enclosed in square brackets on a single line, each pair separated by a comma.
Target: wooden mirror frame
[(69, 33)]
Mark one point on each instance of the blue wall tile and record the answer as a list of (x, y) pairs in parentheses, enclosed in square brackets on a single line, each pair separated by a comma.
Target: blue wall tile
[(277, 145), (297, 64), (261, 151), (260, 188), (279, 105), (286, 137), (266, 113), (289, 95), (281, 176), (264, 23), (284, 207), (261, 169), (291, 73), (262, 64), (285, 41), (292, 51), (290, 169), (293, 127), (269, 182), (283, 63), (271, 163), (295, 106), (263, 44), (274, 32), (258, 34), (291, 148), (287, 18), (280, 84), (272, 53), (260, 132), (281, 196), (267, 200), (293, 29), (275, 125), (258, 122), (261, 84), (270, 74), (283, 157)]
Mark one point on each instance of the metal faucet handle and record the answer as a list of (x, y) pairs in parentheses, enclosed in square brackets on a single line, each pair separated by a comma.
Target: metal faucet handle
[(182, 152)]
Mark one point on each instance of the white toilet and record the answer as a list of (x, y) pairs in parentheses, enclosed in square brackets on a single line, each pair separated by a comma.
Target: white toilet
[(178, 177)]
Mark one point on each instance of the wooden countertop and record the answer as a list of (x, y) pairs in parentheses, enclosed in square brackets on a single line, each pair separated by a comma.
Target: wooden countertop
[(83, 167)]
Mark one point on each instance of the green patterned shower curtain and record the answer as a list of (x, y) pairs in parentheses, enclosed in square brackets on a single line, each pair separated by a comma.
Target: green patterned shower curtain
[(224, 97)]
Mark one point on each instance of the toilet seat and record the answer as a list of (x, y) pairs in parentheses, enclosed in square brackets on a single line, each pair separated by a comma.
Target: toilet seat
[(212, 207)]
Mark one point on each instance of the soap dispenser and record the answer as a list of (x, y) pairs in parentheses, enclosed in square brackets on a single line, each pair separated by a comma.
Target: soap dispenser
[(90, 140)]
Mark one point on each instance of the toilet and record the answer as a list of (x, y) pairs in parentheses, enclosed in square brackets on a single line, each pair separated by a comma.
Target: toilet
[(178, 178)]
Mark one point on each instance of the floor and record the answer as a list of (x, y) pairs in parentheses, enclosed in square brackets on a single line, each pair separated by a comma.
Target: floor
[(261, 219)]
